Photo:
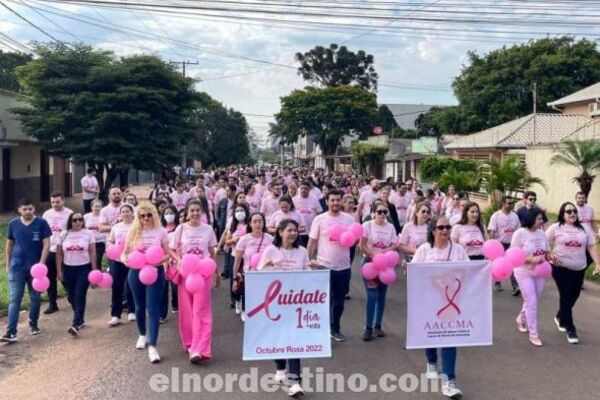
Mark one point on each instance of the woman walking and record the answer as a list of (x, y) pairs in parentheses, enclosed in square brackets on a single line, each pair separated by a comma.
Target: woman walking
[(169, 220), (236, 228), (414, 233), (92, 223), (469, 232)]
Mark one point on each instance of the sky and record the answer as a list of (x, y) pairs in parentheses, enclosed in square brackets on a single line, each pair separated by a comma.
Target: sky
[(248, 64)]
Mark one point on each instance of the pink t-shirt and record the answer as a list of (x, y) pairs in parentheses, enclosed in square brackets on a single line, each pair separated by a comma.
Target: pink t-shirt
[(193, 240), (89, 183), (58, 224), (110, 214), (329, 253), (504, 225), (284, 260), (220, 194), (260, 190), (249, 245), (269, 205), (76, 247), (534, 243), (413, 235), (316, 193), (308, 207), (428, 254), (150, 237), (379, 236), (402, 203), (180, 199), (570, 245), (92, 223), (279, 216), (586, 216), (367, 198), (118, 233), (469, 237), (253, 202)]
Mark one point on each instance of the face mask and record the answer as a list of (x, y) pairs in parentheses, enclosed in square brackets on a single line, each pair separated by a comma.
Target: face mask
[(240, 215), (169, 218)]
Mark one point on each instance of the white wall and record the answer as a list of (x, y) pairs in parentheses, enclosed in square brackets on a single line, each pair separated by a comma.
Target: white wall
[(25, 161)]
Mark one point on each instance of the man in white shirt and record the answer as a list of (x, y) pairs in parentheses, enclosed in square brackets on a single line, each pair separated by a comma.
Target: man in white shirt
[(89, 189), (585, 213), (308, 206), (367, 198)]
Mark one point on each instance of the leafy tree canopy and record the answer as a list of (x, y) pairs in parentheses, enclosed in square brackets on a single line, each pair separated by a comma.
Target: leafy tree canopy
[(8, 62)]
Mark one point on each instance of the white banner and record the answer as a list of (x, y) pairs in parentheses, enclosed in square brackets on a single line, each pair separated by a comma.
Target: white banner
[(449, 304), (287, 315)]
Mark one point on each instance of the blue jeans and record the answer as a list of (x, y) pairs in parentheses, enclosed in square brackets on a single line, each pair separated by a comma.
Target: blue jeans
[(147, 297), (448, 361), (375, 304), (339, 283), (119, 272), (17, 279), (76, 281)]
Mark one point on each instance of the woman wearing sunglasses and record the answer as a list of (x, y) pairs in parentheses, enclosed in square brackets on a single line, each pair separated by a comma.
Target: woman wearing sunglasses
[(146, 231), (75, 258), (570, 240), (439, 248), (414, 233), (469, 232), (379, 236)]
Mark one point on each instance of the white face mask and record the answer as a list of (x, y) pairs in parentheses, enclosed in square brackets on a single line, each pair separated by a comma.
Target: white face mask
[(240, 215), (169, 218)]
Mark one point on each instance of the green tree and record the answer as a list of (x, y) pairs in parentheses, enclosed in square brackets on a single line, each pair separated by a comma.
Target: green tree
[(386, 120), (463, 181), (8, 63), (368, 155), (112, 113), (508, 175), (336, 66), (432, 168), (326, 115), (438, 121), (584, 156)]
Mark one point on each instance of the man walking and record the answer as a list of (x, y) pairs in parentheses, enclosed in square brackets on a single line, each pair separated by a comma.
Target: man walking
[(89, 189)]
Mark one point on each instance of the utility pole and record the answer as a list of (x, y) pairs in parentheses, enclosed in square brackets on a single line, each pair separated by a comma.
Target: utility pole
[(534, 113), (183, 64)]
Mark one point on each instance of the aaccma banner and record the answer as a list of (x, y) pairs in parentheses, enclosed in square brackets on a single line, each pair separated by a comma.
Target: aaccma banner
[(449, 304), (287, 315)]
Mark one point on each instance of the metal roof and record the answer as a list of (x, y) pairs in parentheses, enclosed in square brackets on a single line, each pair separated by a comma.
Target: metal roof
[(586, 94)]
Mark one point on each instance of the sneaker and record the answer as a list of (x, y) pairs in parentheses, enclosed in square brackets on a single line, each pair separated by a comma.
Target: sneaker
[(536, 341), (296, 390), (280, 375), (153, 354), (338, 337), (224, 275), (34, 330), (431, 371), (174, 311), (73, 331), (81, 326), (238, 307), (559, 326), (378, 332), (114, 321), (131, 317), (521, 326), (450, 390), (51, 309), (9, 337), (498, 287), (141, 343), (572, 337), (243, 316), (162, 320), (347, 297), (195, 358), (516, 292), (232, 304), (367, 335)]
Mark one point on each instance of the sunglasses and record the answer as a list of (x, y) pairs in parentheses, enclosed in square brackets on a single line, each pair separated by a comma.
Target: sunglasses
[(424, 211), (571, 211), (443, 227), (77, 220), (382, 212), (145, 215)]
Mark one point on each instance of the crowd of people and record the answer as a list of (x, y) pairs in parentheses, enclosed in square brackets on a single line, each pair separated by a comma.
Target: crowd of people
[(283, 214)]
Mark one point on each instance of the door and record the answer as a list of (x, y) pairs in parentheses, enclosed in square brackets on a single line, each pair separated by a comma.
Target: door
[(6, 181)]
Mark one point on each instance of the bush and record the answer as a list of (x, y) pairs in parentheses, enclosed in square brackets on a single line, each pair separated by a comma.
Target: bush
[(433, 168)]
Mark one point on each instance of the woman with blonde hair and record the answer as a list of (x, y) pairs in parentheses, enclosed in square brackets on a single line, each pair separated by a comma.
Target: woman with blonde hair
[(147, 231)]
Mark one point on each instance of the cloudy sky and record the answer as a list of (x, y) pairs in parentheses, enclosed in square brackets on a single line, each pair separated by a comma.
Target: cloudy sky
[(245, 49)]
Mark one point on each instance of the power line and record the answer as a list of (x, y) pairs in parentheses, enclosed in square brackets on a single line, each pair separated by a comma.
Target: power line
[(29, 22)]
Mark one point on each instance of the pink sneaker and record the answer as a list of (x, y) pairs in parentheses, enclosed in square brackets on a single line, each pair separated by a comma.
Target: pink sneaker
[(521, 326), (536, 341)]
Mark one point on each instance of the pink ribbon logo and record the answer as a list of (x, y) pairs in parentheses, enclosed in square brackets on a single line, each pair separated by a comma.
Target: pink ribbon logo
[(451, 300), (270, 295)]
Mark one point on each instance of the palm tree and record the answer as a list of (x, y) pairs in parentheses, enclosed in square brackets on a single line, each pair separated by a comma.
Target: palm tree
[(582, 155), (508, 175), (468, 181)]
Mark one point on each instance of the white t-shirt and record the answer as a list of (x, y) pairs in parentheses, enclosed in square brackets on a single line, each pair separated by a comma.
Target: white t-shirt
[(402, 203), (76, 247), (413, 235), (309, 207), (118, 233), (504, 225), (428, 254), (58, 224), (469, 237), (92, 223), (367, 198), (379, 236), (110, 214), (570, 244), (534, 243), (89, 183), (249, 246), (283, 259), (329, 253)]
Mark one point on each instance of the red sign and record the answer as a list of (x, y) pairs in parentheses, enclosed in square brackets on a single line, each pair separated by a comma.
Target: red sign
[(378, 130)]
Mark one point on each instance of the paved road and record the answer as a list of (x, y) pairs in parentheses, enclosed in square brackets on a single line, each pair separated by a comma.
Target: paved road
[(103, 362)]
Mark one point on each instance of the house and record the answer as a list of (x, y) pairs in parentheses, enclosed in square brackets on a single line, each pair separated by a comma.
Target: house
[(402, 160)]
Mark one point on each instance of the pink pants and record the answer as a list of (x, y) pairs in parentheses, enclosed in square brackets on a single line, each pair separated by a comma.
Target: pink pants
[(531, 290), (195, 320)]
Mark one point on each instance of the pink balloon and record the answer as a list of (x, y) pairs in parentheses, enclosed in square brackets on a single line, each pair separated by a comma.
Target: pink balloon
[(356, 229), (136, 260), (543, 270), (393, 258), (95, 277), (516, 255), (335, 232), (113, 252), (106, 282), (368, 271), (387, 276), (207, 267), (347, 239), (40, 284), (195, 283), (493, 249), (254, 260), (154, 255), (190, 263), (148, 275), (380, 261), (39, 270), (501, 269)]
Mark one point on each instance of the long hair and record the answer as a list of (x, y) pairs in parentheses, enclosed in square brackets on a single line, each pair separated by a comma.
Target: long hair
[(418, 207), (234, 221), (249, 228), (287, 199), (70, 221), (278, 240), (464, 219), (163, 221), (561, 215), (135, 232)]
